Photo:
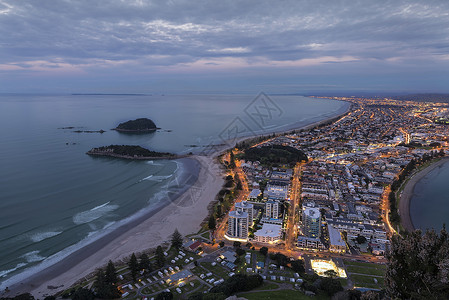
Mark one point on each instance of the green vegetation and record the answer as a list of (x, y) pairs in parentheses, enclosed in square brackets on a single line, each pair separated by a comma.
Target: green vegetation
[(275, 155), (365, 274), (105, 283), (283, 294), (418, 266), (127, 151), (366, 270), (176, 240), (160, 257), (238, 283), (138, 125), (133, 266)]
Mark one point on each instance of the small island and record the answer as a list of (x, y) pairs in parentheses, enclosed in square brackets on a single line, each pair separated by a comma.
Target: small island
[(142, 125), (130, 152)]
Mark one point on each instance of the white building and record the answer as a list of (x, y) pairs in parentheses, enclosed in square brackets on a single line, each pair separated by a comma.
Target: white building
[(244, 206), (269, 233), (271, 209), (237, 225)]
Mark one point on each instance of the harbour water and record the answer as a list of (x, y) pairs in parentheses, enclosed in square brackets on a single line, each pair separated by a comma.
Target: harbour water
[(54, 198), (429, 205)]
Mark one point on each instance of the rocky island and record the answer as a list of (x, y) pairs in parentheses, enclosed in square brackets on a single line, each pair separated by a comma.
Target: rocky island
[(141, 125), (130, 152)]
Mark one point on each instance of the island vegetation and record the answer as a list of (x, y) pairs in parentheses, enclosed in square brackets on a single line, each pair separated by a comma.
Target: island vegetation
[(129, 152), (274, 155), (140, 125)]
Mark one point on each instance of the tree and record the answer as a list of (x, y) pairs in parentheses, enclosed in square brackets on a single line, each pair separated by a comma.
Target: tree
[(176, 240), (219, 210), (240, 251), (212, 223), (249, 245), (160, 257), (360, 239), (164, 296), (330, 285), (83, 294), (264, 250), (111, 273), (221, 244), (418, 266), (330, 274), (237, 244), (133, 266), (281, 259), (145, 263), (103, 288), (298, 266)]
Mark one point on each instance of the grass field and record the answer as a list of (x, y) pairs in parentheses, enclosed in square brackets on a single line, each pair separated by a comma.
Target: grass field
[(366, 273)]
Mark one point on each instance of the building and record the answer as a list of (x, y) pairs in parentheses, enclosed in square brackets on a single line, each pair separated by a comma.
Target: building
[(310, 243), (237, 225), (269, 233), (244, 206), (255, 193), (271, 210), (311, 220), (336, 243)]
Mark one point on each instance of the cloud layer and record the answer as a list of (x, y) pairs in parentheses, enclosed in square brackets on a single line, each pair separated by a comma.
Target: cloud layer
[(166, 39)]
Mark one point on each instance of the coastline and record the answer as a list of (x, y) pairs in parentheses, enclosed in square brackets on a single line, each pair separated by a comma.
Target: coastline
[(185, 211), (407, 193)]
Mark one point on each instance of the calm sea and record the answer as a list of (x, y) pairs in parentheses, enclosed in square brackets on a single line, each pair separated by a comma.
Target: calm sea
[(429, 206), (54, 198)]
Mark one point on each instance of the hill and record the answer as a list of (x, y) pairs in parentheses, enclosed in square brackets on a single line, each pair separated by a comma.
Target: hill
[(138, 125)]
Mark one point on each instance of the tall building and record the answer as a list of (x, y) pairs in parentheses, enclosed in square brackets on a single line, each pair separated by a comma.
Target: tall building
[(237, 225), (311, 220), (271, 209), (244, 206)]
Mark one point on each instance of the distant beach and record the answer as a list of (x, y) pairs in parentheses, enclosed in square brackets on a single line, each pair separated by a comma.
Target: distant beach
[(407, 193)]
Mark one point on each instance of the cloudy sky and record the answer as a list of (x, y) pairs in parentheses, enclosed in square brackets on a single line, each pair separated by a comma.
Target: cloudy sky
[(176, 46)]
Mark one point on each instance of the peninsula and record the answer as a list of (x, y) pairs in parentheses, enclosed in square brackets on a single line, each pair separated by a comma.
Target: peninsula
[(130, 152), (141, 125)]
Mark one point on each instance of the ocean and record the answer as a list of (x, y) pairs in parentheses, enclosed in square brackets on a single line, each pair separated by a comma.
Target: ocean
[(429, 207), (55, 199)]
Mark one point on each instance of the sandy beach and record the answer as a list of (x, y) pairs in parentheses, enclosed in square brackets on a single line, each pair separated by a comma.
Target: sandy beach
[(185, 213), (407, 193)]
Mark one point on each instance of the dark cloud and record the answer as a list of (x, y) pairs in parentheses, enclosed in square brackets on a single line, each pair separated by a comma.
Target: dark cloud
[(148, 35)]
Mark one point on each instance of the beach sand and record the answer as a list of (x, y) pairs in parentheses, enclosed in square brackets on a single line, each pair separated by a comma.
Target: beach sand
[(185, 213), (407, 194)]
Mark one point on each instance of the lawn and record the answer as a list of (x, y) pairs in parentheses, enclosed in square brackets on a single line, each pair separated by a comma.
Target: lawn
[(366, 270), (267, 286), (364, 264), (217, 270), (371, 271), (283, 294)]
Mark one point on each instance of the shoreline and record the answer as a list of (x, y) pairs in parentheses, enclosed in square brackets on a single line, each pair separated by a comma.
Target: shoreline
[(407, 193), (183, 211)]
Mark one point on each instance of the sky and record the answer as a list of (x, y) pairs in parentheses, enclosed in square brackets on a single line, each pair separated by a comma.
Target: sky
[(205, 46)]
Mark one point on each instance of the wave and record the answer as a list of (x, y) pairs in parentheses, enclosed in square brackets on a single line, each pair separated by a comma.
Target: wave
[(157, 178), (33, 256), (151, 162), (94, 213), (40, 236), (6, 272)]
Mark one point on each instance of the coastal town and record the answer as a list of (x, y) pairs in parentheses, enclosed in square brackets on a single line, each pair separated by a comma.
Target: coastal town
[(326, 211)]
